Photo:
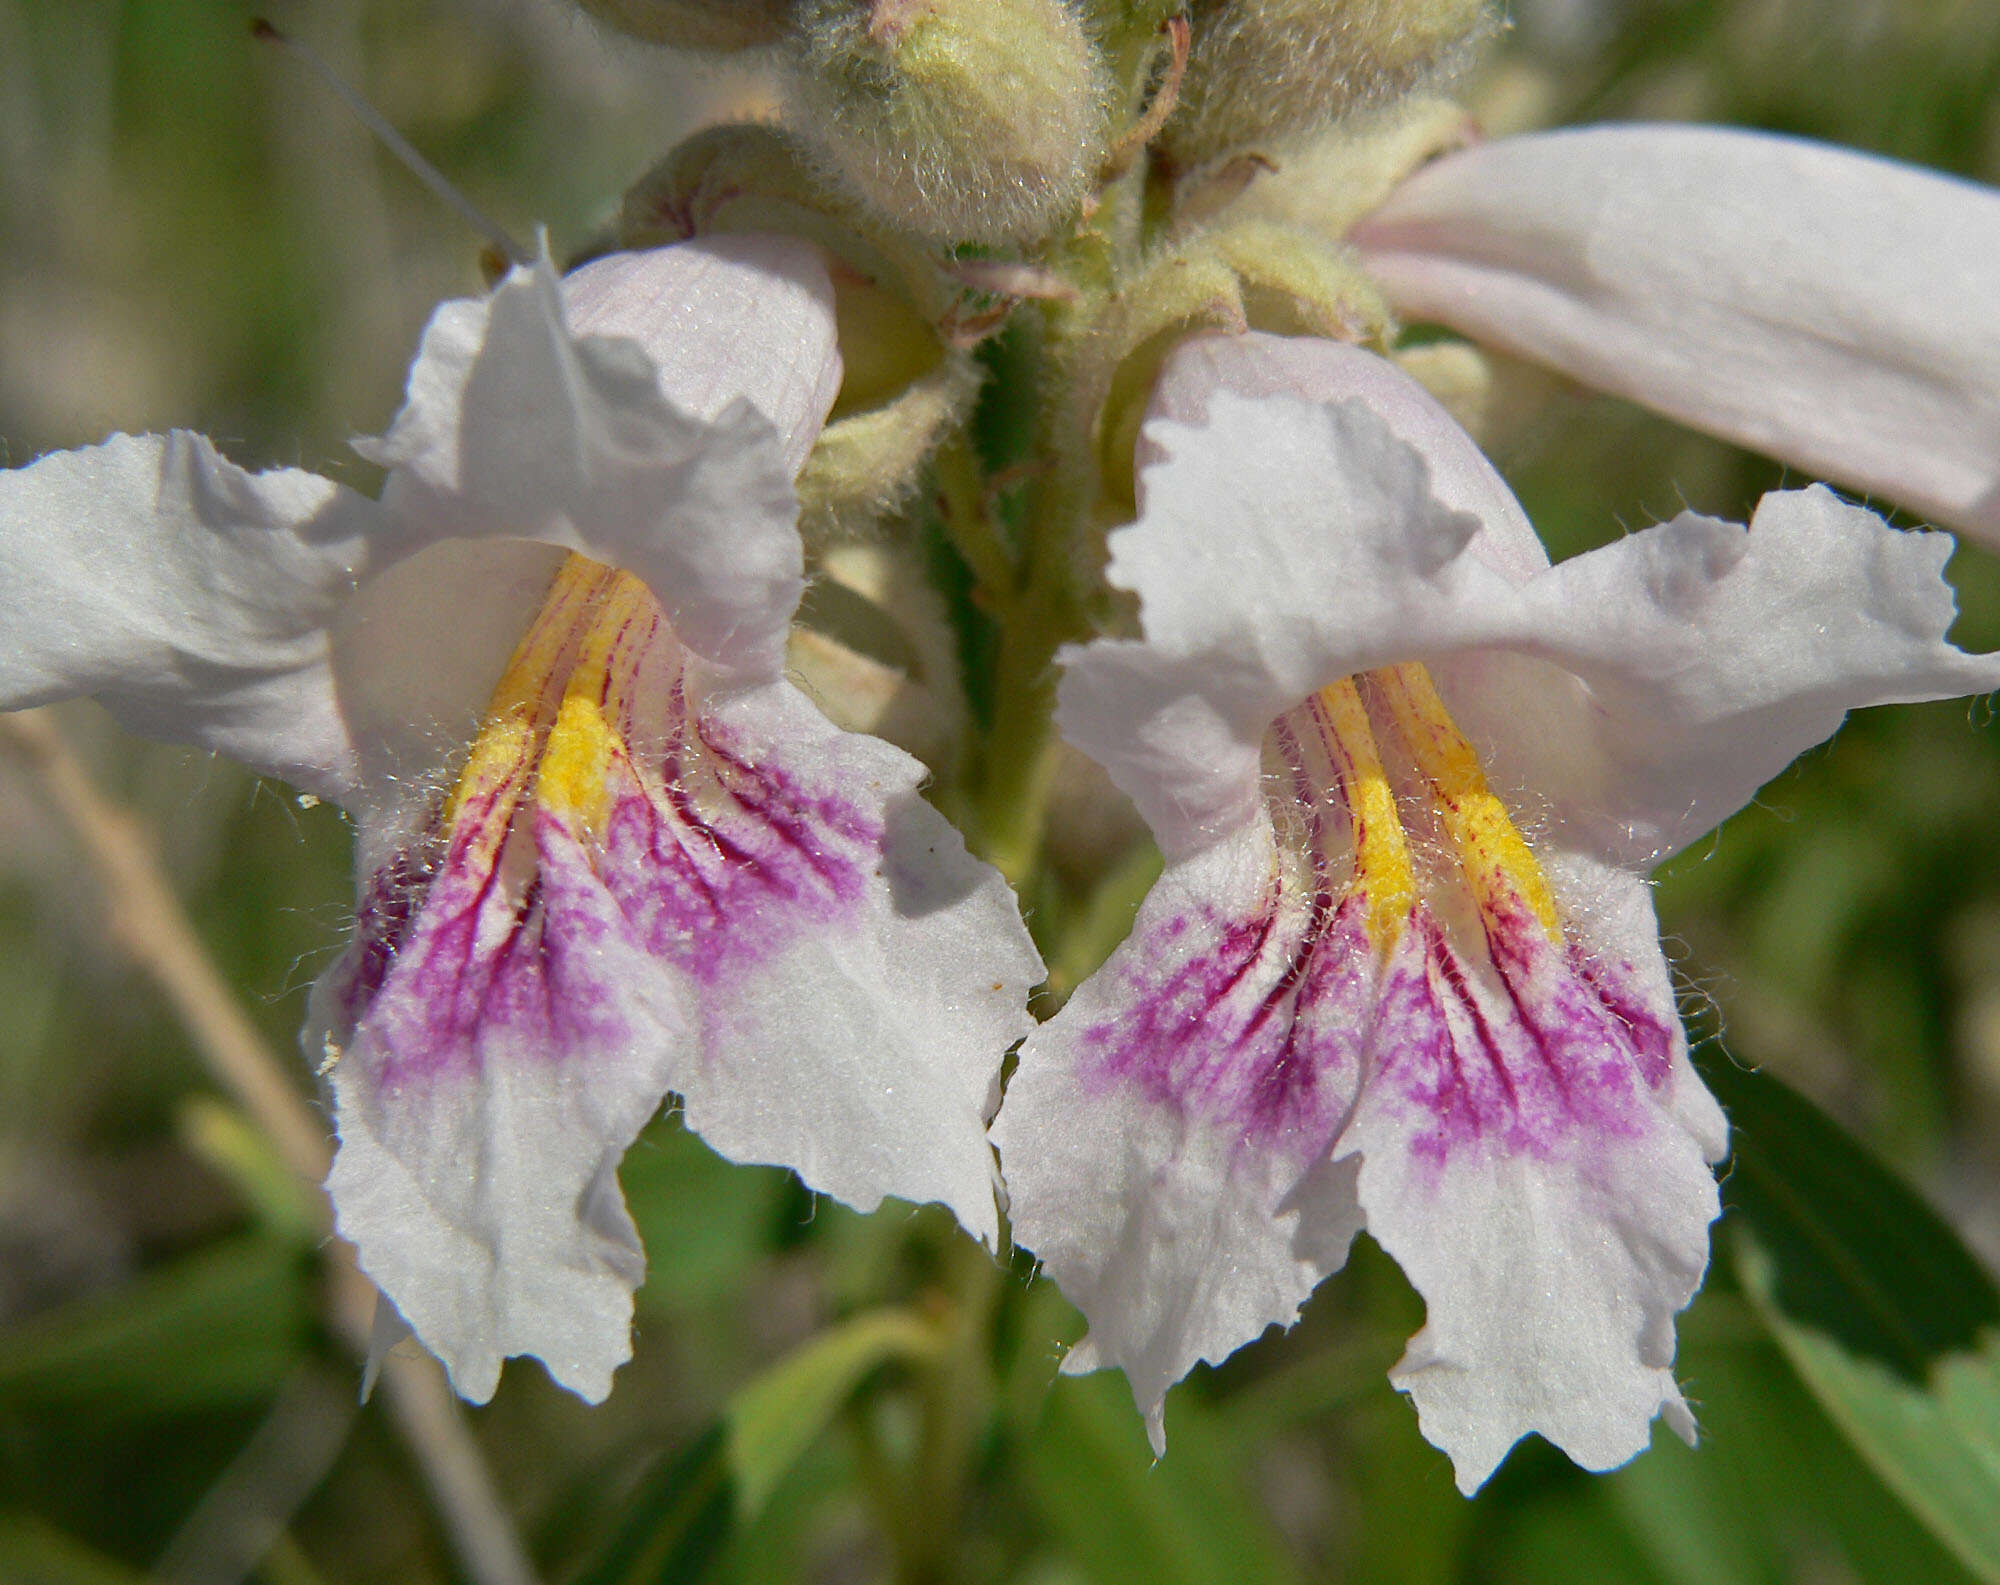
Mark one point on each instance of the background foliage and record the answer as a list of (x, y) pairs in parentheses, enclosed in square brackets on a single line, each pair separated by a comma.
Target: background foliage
[(190, 234)]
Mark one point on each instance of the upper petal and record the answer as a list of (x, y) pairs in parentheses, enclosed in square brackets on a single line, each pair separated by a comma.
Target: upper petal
[(1834, 310), (722, 318), (515, 426), (192, 597), (1710, 656), (1282, 543), (1255, 363), (1633, 697)]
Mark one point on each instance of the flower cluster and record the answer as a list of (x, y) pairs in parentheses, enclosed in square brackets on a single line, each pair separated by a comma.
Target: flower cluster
[(1401, 971)]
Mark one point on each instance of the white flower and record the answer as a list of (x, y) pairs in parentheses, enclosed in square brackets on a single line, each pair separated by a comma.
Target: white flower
[(657, 867), (1831, 309), (1401, 971)]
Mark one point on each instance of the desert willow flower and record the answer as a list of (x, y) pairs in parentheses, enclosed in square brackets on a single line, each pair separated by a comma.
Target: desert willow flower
[(1401, 971), (605, 850)]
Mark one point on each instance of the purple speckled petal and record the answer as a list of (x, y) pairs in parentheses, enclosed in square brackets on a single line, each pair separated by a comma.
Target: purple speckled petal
[(1524, 1158), (739, 903), (850, 1023), (500, 1047), (1166, 1138)]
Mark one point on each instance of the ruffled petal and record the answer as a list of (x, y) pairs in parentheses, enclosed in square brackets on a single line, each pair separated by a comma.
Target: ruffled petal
[(850, 1023), (191, 597), (1322, 525), (1165, 1139), (723, 318), (514, 426), (1255, 364), (1831, 309), (647, 882), (1526, 1156), (1679, 669), (494, 1053), (1631, 698)]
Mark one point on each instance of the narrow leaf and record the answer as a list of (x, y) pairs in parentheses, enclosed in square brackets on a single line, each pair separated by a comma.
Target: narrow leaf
[(1125, 1519), (1891, 1323), (776, 1417), (677, 1522), (223, 1327)]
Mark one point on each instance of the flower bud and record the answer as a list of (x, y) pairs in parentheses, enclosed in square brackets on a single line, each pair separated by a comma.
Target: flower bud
[(902, 390), (696, 24), (869, 457), (1328, 184), (960, 120), (1253, 276), (1263, 71)]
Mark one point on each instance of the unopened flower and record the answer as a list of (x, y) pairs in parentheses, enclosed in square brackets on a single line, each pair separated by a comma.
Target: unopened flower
[(1834, 310), (606, 850), (1401, 971)]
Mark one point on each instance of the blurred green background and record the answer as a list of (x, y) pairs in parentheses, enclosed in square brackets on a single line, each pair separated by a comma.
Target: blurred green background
[(192, 233)]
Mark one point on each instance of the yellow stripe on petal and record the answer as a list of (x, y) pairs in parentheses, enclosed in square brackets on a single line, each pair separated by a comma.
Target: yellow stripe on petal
[(590, 726), (524, 701), (1382, 867), (1492, 852)]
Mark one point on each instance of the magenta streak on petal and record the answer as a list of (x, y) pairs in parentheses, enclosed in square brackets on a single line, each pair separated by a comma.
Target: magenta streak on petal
[(710, 884), (1450, 1068), (1542, 1055), (1268, 1063), (382, 920), (482, 973)]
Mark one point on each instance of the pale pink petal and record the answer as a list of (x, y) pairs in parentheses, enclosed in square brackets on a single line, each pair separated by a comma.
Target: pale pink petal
[(1166, 1137), (496, 1045), (1632, 698), (1254, 364), (1320, 523), (723, 318), (1526, 1156), (190, 596), (737, 903), (856, 985), (514, 427), (1834, 310), (1679, 669)]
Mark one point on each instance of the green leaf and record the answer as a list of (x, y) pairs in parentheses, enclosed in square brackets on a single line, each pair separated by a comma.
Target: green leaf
[(1126, 1519), (775, 1418), (676, 1525), (33, 1552), (1935, 1442), (1774, 1493), (223, 1327), (1890, 1322), (705, 1222), (677, 1522)]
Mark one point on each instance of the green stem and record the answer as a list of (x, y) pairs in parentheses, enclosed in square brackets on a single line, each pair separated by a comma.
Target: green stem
[(957, 1401), (970, 527)]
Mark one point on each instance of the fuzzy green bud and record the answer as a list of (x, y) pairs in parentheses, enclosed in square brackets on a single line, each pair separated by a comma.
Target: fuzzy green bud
[(959, 120), (902, 389), (696, 24), (1265, 71)]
